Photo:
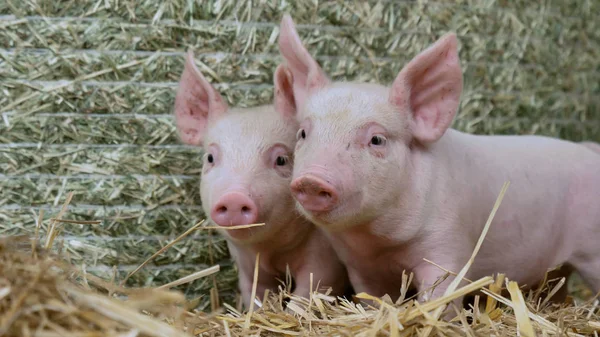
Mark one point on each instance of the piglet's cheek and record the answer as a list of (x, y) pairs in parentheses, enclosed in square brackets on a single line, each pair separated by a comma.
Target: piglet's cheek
[(379, 152)]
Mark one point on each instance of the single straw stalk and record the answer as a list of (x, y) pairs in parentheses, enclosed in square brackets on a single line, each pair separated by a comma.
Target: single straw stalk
[(192, 277), (521, 311), (254, 285), (53, 232), (162, 250)]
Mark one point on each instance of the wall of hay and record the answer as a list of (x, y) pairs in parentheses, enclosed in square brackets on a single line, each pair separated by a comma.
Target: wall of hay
[(87, 88)]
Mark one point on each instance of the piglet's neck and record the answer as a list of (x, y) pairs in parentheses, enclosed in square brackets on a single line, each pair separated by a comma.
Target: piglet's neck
[(283, 248), (389, 231)]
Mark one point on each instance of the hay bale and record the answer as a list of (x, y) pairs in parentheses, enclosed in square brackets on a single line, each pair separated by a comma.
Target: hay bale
[(87, 89)]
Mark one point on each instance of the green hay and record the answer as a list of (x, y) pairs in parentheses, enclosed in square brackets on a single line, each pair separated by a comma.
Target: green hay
[(104, 73)]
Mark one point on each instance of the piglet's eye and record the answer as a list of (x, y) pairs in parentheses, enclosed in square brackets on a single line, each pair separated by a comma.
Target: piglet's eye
[(210, 158), (378, 140), (281, 161), (301, 134)]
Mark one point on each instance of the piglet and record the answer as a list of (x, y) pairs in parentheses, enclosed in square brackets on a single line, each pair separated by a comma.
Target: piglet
[(381, 171), (246, 175), (592, 146)]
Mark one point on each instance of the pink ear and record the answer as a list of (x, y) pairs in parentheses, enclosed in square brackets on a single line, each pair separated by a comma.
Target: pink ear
[(196, 102), (306, 73), (429, 87), (284, 93)]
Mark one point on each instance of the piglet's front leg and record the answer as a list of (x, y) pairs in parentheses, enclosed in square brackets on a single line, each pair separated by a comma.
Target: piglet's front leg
[(332, 276), (246, 282), (426, 276), (326, 274)]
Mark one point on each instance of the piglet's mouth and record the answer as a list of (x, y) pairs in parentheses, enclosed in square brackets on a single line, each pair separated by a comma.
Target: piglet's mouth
[(233, 227), (243, 232), (324, 219)]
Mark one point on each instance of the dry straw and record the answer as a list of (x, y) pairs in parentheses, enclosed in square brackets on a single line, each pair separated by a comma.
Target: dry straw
[(42, 294)]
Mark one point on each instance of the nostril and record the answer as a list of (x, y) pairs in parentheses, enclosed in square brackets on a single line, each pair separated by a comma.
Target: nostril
[(324, 194), (222, 209), (245, 209)]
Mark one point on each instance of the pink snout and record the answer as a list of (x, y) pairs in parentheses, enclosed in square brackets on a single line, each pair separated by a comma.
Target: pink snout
[(234, 209), (314, 194)]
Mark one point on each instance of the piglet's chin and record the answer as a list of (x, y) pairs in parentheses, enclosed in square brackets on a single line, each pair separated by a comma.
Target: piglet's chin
[(317, 218), (344, 215)]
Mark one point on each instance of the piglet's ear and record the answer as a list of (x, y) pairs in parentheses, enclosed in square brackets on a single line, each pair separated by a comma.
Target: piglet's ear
[(284, 92), (195, 104), (429, 87), (307, 74)]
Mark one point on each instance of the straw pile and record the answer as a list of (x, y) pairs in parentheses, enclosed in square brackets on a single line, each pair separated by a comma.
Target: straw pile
[(87, 89), (43, 294)]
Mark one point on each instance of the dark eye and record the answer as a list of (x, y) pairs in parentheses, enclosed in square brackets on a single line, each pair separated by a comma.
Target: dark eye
[(210, 158), (378, 140), (301, 134), (281, 161)]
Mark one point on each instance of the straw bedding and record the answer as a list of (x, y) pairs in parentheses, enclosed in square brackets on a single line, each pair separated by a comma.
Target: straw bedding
[(42, 293), (87, 89)]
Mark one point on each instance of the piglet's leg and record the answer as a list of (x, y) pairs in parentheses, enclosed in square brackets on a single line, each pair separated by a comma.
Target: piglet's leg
[(426, 276), (326, 274), (245, 283), (589, 269), (327, 271), (302, 290), (321, 260)]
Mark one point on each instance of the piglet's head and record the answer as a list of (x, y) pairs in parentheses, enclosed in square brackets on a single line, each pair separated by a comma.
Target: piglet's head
[(247, 163), (357, 141)]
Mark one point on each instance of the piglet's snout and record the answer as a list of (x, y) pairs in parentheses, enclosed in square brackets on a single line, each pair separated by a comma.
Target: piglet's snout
[(314, 194), (234, 209)]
